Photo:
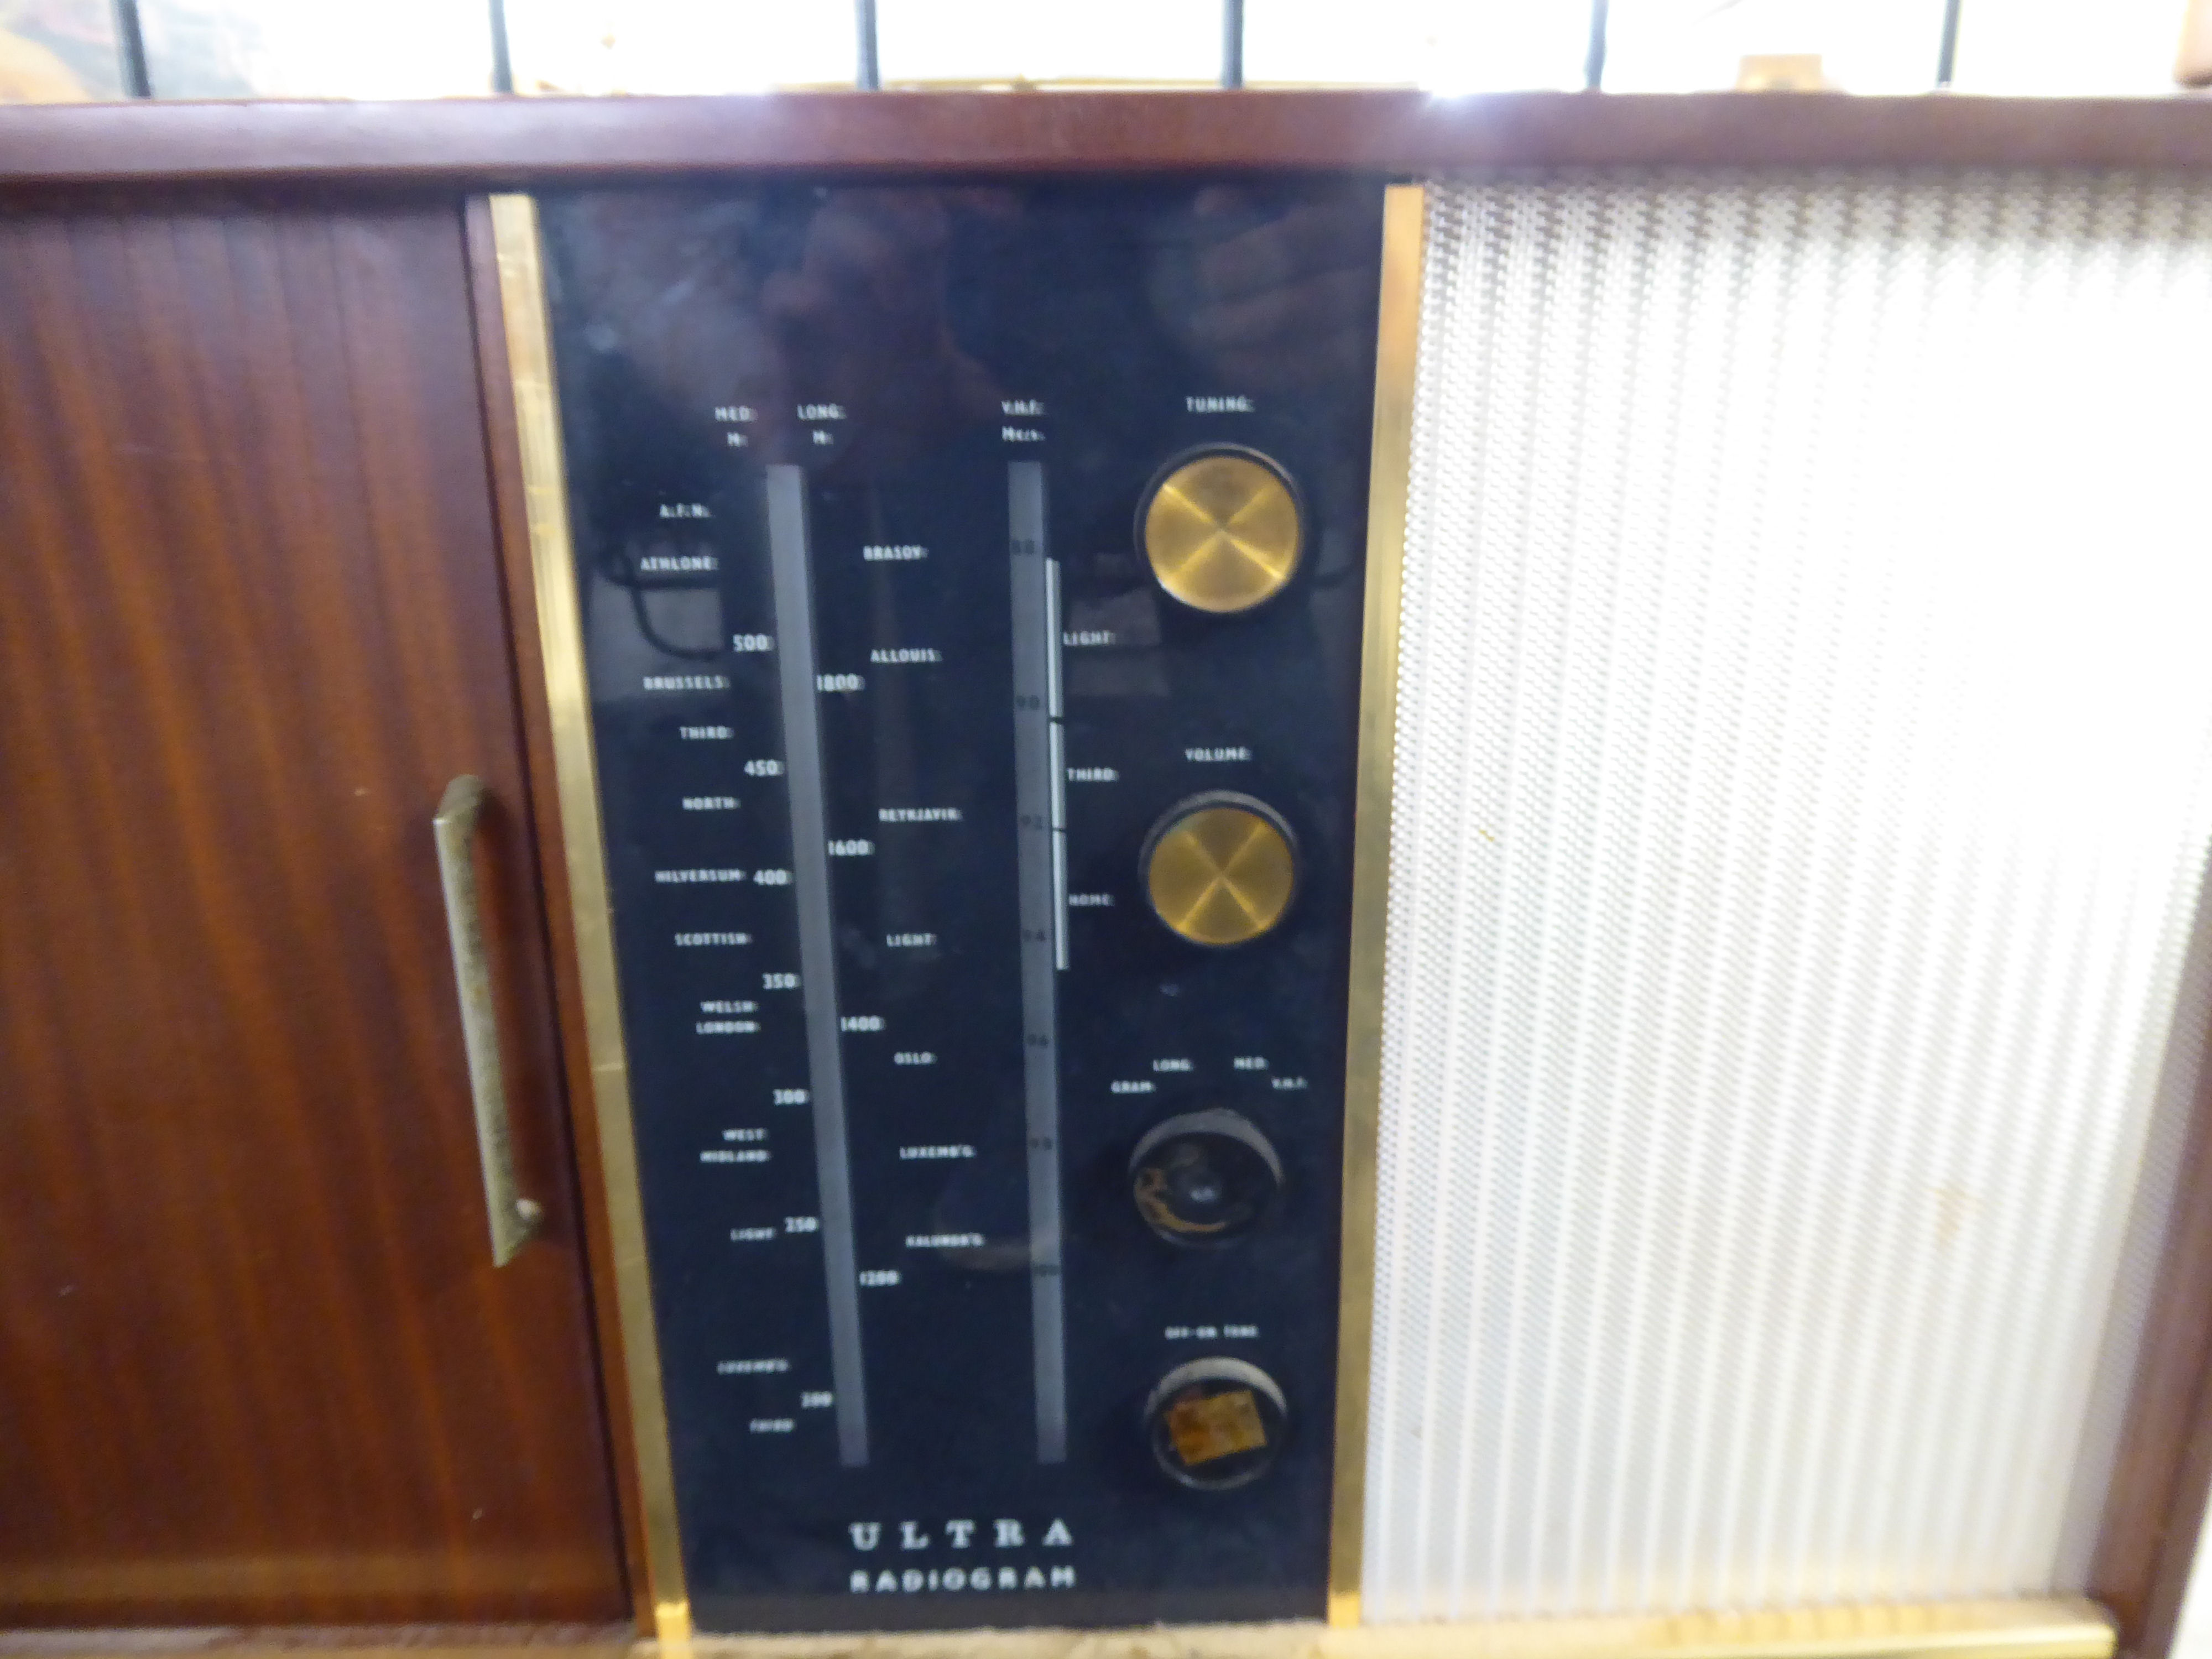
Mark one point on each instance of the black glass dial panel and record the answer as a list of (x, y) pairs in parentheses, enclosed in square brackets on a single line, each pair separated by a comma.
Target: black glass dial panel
[(886, 699)]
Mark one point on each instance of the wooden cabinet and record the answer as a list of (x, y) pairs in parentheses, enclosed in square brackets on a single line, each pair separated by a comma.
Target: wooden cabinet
[(256, 1364)]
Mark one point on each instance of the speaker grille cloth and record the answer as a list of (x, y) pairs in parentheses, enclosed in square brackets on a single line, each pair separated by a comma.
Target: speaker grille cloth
[(1800, 807)]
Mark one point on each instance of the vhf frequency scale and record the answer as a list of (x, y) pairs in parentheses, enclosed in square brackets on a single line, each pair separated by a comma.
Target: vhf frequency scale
[(971, 581)]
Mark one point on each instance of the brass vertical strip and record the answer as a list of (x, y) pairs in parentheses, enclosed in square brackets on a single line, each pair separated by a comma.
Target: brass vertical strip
[(560, 631), (1398, 339)]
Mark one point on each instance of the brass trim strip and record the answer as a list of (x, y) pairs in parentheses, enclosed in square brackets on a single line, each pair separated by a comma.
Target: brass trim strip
[(1404, 211), (560, 633)]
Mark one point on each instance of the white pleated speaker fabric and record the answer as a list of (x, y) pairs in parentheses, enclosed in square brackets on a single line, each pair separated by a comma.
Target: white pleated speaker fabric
[(1804, 786)]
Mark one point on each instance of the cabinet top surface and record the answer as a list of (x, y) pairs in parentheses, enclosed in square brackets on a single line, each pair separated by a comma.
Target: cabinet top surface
[(516, 142)]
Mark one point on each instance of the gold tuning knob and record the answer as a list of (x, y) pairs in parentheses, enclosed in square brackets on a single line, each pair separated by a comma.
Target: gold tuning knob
[(1221, 530), (1221, 869)]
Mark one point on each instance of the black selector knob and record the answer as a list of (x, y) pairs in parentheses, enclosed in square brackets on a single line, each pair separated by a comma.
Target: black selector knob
[(1205, 1179), (1215, 1424)]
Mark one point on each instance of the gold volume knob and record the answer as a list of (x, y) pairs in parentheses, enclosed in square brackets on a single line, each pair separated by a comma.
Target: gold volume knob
[(1221, 869), (1221, 530)]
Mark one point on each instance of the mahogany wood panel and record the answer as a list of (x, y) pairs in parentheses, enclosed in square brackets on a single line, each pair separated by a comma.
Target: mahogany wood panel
[(515, 142), (255, 1363)]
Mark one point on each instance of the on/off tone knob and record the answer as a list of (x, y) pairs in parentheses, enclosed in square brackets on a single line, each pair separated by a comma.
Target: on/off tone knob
[(1220, 868), (1222, 530), (1215, 1424)]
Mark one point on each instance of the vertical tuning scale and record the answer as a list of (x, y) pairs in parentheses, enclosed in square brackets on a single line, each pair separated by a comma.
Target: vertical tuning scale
[(971, 581)]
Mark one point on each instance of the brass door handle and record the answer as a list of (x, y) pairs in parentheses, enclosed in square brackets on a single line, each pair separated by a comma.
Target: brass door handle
[(514, 1218)]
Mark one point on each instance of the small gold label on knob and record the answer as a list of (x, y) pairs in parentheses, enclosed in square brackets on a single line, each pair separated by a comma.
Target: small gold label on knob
[(1222, 533), (1203, 1427), (1219, 873)]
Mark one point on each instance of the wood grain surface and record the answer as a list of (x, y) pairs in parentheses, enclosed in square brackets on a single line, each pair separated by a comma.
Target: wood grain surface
[(518, 142), (256, 1365)]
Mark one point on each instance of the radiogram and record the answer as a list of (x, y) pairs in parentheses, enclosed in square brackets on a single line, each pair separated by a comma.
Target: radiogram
[(1224, 858)]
